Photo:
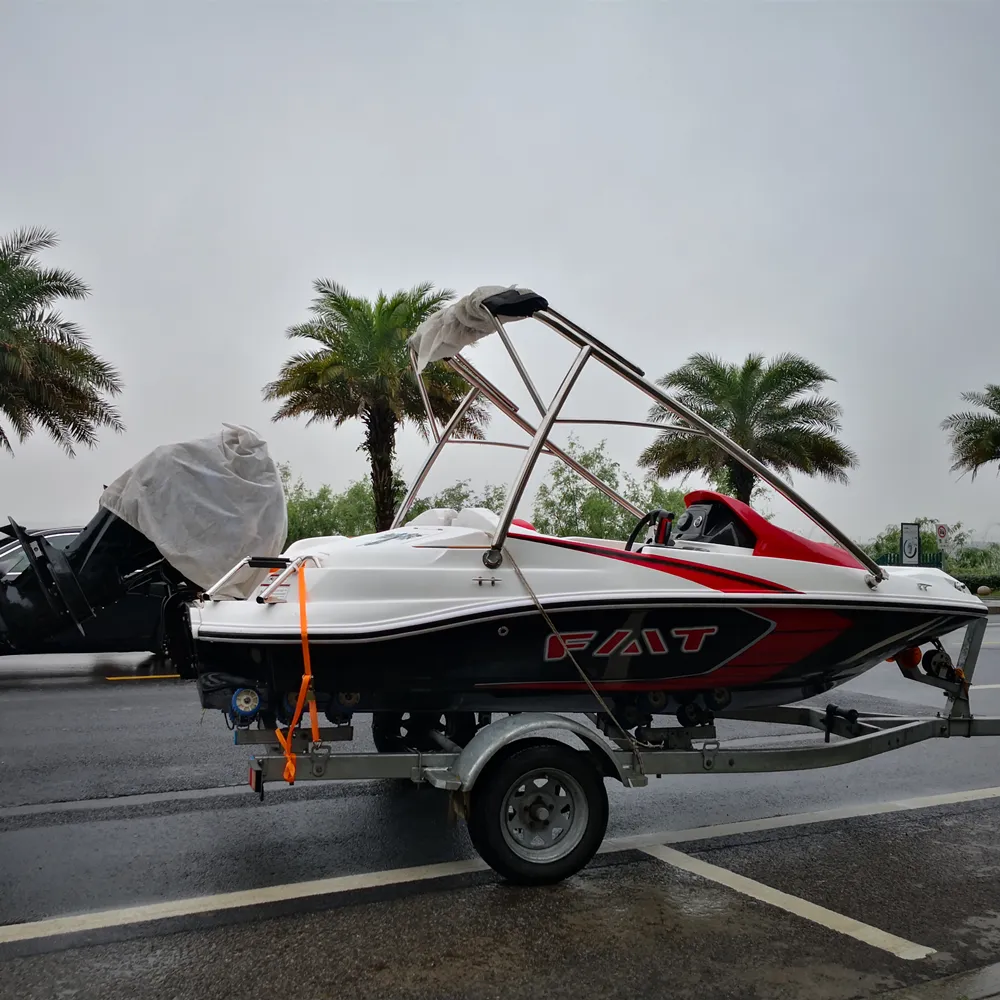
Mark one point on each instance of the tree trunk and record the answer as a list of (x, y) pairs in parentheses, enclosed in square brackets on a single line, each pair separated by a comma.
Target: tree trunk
[(380, 443), (742, 481)]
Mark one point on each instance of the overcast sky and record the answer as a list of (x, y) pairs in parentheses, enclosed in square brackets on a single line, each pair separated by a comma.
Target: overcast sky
[(729, 177)]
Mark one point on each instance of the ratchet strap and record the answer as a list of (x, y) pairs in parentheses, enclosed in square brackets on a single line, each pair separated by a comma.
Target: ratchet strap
[(305, 689)]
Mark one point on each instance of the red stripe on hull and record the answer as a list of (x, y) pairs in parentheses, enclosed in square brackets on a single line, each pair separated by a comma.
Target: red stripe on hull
[(796, 635), (723, 580)]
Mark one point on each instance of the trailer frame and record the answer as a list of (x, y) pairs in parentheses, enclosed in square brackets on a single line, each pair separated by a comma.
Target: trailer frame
[(470, 772)]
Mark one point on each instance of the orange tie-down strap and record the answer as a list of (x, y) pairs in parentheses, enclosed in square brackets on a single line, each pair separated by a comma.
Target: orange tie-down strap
[(305, 689)]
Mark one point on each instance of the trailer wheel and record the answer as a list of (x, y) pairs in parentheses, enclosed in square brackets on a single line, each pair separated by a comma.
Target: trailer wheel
[(537, 815)]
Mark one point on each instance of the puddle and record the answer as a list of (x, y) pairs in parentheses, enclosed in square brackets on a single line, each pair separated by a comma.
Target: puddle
[(981, 935)]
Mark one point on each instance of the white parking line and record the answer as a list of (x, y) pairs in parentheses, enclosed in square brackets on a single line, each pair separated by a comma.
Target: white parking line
[(123, 916), (640, 841), (897, 946), (126, 915), (984, 687)]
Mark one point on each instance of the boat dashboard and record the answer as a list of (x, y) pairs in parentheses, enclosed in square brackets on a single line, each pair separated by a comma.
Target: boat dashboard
[(714, 523), (712, 520)]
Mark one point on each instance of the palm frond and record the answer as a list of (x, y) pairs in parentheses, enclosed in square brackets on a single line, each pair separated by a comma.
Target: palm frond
[(50, 283), (817, 412), (772, 408), (814, 452), (788, 375), (672, 453), (26, 242), (975, 436), (988, 399), (50, 379)]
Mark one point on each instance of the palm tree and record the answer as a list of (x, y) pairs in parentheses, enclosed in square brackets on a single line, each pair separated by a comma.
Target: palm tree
[(49, 377), (770, 408), (360, 369), (975, 437)]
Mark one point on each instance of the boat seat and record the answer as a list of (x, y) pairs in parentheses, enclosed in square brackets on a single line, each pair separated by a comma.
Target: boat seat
[(476, 517), (438, 516)]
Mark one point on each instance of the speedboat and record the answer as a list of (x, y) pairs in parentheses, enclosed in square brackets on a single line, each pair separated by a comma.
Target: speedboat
[(457, 614)]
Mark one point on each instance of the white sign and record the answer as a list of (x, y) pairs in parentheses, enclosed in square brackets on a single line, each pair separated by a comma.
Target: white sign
[(942, 531), (909, 544)]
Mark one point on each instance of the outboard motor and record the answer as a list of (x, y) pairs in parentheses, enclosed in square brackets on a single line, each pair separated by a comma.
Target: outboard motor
[(184, 514), (63, 588)]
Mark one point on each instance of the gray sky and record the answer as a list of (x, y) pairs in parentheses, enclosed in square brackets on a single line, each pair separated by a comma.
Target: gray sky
[(720, 176)]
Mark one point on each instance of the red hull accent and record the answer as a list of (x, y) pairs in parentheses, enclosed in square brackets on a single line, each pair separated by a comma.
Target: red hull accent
[(774, 542), (796, 635), (723, 580)]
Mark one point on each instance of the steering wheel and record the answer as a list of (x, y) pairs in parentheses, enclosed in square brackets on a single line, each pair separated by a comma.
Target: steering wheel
[(647, 519)]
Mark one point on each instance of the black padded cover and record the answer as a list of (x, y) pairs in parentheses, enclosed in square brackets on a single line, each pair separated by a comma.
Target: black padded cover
[(515, 303)]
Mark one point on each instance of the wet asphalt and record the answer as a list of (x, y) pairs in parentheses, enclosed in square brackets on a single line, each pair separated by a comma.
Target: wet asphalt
[(114, 793)]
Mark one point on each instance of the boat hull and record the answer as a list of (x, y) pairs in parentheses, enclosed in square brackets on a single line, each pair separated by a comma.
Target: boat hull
[(653, 656)]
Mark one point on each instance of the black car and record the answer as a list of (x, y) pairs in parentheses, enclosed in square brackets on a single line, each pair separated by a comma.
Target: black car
[(131, 625)]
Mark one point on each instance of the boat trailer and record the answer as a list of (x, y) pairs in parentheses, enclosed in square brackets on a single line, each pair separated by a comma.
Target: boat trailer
[(536, 805)]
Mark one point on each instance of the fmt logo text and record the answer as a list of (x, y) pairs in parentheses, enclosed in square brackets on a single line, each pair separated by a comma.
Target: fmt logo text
[(625, 642)]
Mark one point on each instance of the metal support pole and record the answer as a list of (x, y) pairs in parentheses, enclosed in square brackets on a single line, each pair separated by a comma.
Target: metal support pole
[(677, 428), (519, 365), (219, 584), (288, 571), (957, 705), (500, 444), (423, 395), (492, 557), (495, 396), (442, 440)]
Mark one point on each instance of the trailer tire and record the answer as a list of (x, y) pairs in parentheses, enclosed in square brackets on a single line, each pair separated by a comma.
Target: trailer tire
[(517, 803)]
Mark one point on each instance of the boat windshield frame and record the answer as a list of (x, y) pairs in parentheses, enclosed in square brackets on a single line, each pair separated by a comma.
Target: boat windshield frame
[(589, 349)]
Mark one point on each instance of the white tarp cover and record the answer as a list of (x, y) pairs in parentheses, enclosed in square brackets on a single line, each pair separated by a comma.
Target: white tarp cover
[(462, 323), (205, 504)]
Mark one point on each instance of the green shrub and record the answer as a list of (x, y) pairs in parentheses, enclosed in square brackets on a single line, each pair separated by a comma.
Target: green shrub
[(566, 504)]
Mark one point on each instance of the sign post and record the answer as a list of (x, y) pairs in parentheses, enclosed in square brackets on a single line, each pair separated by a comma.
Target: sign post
[(909, 544), (942, 532)]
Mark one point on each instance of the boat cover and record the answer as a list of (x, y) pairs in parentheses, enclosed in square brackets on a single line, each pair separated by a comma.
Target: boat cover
[(205, 504), (446, 332)]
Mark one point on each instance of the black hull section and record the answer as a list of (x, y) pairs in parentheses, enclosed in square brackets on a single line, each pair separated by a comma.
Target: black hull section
[(655, 658)]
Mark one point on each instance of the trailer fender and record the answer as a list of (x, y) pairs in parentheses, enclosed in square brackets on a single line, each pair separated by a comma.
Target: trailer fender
[(494, 737)]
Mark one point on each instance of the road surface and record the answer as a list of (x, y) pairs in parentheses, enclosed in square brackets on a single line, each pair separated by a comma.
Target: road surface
[(118, 795)]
